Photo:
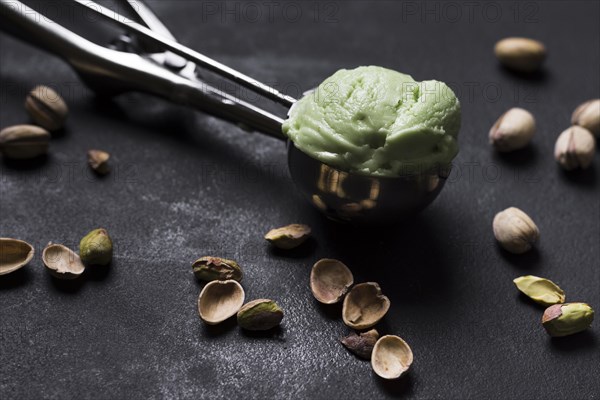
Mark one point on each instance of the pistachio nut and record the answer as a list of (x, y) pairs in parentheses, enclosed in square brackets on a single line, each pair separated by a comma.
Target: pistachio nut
[(520, 54), (46, 108), (98, 161), (575, 148), (220, 300), (14, 254), (515, 231), (330, 280), (391, 357), (288, 237), (216, 268), (567, 319), (364, 306), (21, 142), (542, 291), (96, 248), (259, 315), (62, 262), (587, 115), (513, 130), (361, 345)]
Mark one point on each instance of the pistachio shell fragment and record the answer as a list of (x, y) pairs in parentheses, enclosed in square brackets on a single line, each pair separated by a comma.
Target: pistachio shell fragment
[(62, 262), (96, 248), (361, 345), (567, 319), (220, 300), (391, 357), (330, 280), (542, 291), (216, 268), (288, 237), (259, 315), (98, 161), (46, 108), (364, 306), (14, 254), (23, 142), (520, 54)]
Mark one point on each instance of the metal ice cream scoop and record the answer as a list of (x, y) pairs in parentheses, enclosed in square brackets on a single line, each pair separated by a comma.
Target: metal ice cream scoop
[(148, 59)]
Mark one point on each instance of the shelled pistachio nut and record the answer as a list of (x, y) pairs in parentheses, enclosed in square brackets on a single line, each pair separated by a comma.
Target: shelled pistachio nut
[(98, 161), (330, 280), (362, 344), (259, 315), (14, 254), (96, 248), (515, 231), (62, 262), (567, 319), (587, 115), (220, 300), (391, 357), (520, 54), (288, 237), (46, 108), (575, 148), (513, 130), (22, 142), (216, 268), (542, 291), (364, 306)]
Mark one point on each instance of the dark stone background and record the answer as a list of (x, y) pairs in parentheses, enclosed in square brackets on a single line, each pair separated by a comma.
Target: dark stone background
[(186, 185)]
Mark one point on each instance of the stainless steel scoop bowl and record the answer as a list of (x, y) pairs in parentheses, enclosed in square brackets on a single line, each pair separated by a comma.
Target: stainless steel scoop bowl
[(150, 60)]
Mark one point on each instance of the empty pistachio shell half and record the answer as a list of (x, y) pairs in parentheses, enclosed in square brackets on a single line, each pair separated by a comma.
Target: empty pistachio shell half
[(587, 115), (220, 300), (391, 357), (288, 237), (98, 161), (62, 262), (259, 315), (575, 148), (567, 319), (22, 142), (520, 54), (14, 254), (46, 108), (542, 291), (96, 248), (361, 345), (515, 231), (364, 306), (330, 280), (216, 268)]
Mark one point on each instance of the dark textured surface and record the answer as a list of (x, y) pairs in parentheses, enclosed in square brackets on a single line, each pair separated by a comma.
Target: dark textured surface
[(186, 185)]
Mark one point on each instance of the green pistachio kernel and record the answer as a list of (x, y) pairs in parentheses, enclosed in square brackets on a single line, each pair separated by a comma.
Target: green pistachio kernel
[(541, 290), (215, 268), (96, 248), (259, 315), (567, 319)]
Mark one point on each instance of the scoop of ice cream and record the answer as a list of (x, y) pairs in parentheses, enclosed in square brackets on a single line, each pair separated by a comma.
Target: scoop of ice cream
[(376, 121)]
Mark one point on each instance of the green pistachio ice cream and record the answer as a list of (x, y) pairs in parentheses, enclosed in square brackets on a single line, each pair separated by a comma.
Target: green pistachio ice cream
[(375, 121)]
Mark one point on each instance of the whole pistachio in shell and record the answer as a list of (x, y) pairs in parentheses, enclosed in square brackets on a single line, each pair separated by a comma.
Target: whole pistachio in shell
[(216, 268), (98, 161), (259, 315), (220, 300), (364, 306), (575, 148), (515, 231), (288, 237), (567, 319), (520, 54), (362, 344), (513, 130), (96, 248), (391, 357), (330, 280), (14, 254), (46, 108), (23, 142), (62, 262), (541, 290), (587, 115)]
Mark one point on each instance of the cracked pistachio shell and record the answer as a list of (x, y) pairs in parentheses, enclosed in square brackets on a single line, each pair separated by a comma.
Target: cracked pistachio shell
[(330, 280), (216, 268), (96, 248), (220, 300), (575, 148), (513, 130), (98, 161), (567, 319), (288, 237), (520, 54), (364, 306), (62, 262), (542, 291), (391, 357), (14, 254), (515, 231), (46, 108), (587, 115), (362, 344), (259, 315), (23, 142)]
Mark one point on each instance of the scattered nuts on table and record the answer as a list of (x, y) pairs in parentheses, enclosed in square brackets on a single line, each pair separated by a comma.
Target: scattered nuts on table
[(96, 248), (542, 291), (520, 54), (259, 315), (362, 344), (288, 237), (391, 357), (62, 262), (220, 300), (364, 306), (216, 268), (21, 142), (98, 161), (575, 148), (567, 319), (515, 231), (46, 108), (14, 254), (513, 130), (587, 115), (330, 280)]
